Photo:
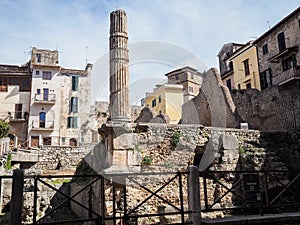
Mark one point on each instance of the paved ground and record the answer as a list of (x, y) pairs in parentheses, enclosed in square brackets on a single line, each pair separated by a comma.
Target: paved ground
[(282, 218)]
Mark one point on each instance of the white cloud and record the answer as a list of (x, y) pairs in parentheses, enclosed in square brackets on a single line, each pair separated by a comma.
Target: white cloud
[(199, 26)]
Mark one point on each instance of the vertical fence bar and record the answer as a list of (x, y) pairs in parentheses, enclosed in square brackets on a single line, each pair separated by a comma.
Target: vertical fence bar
[(90, 201), (0, 193), (35, 199), (114, 205), (125, 204), (194, 195), (266, 188), (205, 190), (181, 198), (17, 197), (102, 194)]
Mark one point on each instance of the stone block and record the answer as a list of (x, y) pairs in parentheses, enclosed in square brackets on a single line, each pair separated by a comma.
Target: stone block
[(119, 158), (134, 158), (230, 141), (126, 141)]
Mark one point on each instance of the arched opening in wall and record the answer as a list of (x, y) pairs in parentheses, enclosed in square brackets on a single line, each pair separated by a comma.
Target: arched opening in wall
[(73, 142), (11, 139)]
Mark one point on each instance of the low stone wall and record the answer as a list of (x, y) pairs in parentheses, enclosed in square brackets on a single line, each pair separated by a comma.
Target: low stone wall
[(4, 146), (57, 157)]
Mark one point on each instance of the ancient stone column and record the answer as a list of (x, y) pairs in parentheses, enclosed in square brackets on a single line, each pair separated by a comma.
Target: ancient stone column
[(119, 73)]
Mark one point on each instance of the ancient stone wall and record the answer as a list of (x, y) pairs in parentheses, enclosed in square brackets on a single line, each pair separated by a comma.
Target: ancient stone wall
[(273, 109), (213, 106), (57, 157)]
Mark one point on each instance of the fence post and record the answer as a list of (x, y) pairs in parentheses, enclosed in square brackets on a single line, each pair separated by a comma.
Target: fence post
[(194, 195), (17, 197)]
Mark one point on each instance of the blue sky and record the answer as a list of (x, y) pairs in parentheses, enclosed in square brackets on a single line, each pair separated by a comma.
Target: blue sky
[(79, 28)]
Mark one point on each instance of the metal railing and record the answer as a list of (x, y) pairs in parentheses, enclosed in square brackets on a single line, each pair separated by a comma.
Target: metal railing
[(268, 191), (44, 98), (286, 75), (39, 124)]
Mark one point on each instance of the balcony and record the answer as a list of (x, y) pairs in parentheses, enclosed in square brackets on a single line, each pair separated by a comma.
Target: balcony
[(44, 99), (288, 51), (287, 76), (18, 116), (40, 125)]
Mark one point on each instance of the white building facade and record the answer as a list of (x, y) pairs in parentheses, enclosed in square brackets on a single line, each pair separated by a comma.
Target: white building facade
[(60, 102)]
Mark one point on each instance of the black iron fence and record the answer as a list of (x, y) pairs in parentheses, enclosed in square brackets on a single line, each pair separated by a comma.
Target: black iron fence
[(264, 191)]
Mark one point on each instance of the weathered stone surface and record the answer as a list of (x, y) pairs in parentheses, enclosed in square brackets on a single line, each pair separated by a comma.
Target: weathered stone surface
[(125, 141), (230, 141), (145, 116)]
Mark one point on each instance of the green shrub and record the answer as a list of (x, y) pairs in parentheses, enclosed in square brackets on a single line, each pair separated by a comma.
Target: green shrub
[(147, 160), (4, 127), (175, 138), (8, 165)]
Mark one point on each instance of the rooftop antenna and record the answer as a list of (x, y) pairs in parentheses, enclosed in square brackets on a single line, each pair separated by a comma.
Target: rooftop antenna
[(269, 26), (87, 53)]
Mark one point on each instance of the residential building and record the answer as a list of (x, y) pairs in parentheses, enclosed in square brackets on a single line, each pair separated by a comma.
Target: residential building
[(15, 87), (226, 66), (190, 79), (60, 102), (166, 99), (278, 52), (244, 68)]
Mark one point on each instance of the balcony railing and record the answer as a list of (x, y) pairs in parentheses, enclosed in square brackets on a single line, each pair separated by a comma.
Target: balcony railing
[(42, 125), (287, 76), (18, 116), (44, 99)]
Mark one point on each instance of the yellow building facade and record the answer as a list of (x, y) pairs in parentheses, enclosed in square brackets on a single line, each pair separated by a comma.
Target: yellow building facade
[(245, 67), (166, 99)]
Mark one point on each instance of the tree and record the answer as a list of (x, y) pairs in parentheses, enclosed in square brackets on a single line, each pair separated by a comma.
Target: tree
[(4, 127)]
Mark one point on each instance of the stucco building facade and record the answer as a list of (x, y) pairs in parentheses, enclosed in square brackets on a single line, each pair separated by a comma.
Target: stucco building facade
[(278, 52), (60, 102), (189, 78), (166, 99), (15, 86)]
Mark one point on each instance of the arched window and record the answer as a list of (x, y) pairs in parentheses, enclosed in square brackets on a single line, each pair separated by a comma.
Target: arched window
[(42, 119), (73, 142), (281, 42)]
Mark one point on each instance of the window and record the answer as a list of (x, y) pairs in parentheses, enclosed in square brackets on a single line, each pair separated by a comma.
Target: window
[(153, 103), (191, 89), (265, 49), (37, 72), (47, 140), (25, 84), (3, 84), (42, 119), (74, 105), (176, 77), (18, 111), (281, 42), (228, 84), (248, 86), (265, 79), (38, 57), (45, 94), (75, 83), (159, 99), (289, 63), (38, 91), (63, 139), (230, 66), (72, 122), (192, 76), (246, 67), (46, 75)]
